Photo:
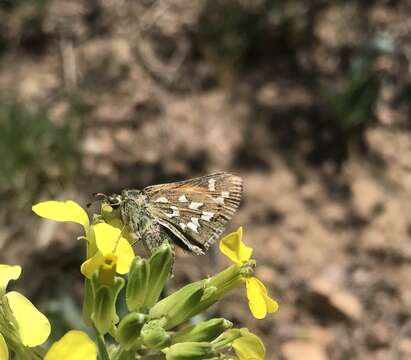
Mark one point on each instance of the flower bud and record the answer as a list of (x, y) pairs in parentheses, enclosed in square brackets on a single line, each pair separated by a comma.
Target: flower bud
[(179, 306), (160, 268), (137, 284), (220, 284), (154, 336), (226, 338), (189, 351), (129, 329), (104, 313), (248, 346), (109, 214), (203, 331)]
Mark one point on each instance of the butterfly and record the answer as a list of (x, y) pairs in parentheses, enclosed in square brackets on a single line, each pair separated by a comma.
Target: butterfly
[(191, 214)]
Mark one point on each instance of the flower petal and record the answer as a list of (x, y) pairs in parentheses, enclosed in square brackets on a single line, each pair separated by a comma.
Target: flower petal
[(110, 240), (4, 351), (256, 300), (74, 345), (62, 211), (234, 248), (249, 346), (107, 237), (34, 328), (272, 305), (259, 301), (7, 273), (90, 265), (125, 255)]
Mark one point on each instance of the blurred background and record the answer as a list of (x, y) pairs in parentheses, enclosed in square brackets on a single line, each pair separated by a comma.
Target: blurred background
[(309, 101)]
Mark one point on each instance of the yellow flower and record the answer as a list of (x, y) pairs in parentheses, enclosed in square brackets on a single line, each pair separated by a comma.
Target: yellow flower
[(259, 301), (249, 346), (63, 211), (7, 273), (75, 345), (33, 328), (107, 242), (234, 248), (112, 248)]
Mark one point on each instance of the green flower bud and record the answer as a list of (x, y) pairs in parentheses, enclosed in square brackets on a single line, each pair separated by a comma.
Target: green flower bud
[(219, 285), (189, 351), (111, 215), (203, 331), (228, 279), (160, 268), (179, 306), (226, 339), (129, 329), (137, 285), (104, 314), (154, 336), (196, 297)]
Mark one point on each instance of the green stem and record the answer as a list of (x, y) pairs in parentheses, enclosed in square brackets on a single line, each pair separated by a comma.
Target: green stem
[(102, 350), (25, 353), (117, 354), (39, 351)]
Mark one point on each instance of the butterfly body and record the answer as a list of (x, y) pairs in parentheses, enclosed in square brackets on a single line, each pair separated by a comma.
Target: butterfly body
[(191, 213)]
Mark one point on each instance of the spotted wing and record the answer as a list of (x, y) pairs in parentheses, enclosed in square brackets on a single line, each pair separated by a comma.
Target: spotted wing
[(196, 210)]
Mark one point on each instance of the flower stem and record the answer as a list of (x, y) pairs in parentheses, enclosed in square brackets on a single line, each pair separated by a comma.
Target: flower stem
[(102, 350)]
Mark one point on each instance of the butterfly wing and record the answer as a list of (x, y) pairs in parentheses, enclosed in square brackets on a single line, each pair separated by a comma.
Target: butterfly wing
[(196, 210)]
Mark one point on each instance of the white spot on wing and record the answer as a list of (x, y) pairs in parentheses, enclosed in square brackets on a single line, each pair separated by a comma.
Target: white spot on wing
[(195, 205), (183, 198), (211, 184), (220, 200), (225, 194), (183, 226), (207, 215), (192, 226), (161, 200)]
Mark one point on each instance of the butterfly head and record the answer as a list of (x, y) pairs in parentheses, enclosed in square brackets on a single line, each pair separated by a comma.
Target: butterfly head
[(114, 200)]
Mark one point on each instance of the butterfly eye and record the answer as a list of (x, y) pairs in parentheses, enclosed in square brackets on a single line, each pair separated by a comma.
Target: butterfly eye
[(114, 201)]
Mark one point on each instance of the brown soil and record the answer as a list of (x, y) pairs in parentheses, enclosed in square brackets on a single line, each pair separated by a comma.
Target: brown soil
[(326, 210)]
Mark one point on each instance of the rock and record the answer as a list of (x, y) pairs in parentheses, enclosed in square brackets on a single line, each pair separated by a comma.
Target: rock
[(319, 335), (405, 347), (298, 349), (367, 196), (339, 301), (267, 94)]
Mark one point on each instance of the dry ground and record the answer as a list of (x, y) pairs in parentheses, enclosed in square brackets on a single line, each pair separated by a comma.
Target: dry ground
[(327, 212)]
